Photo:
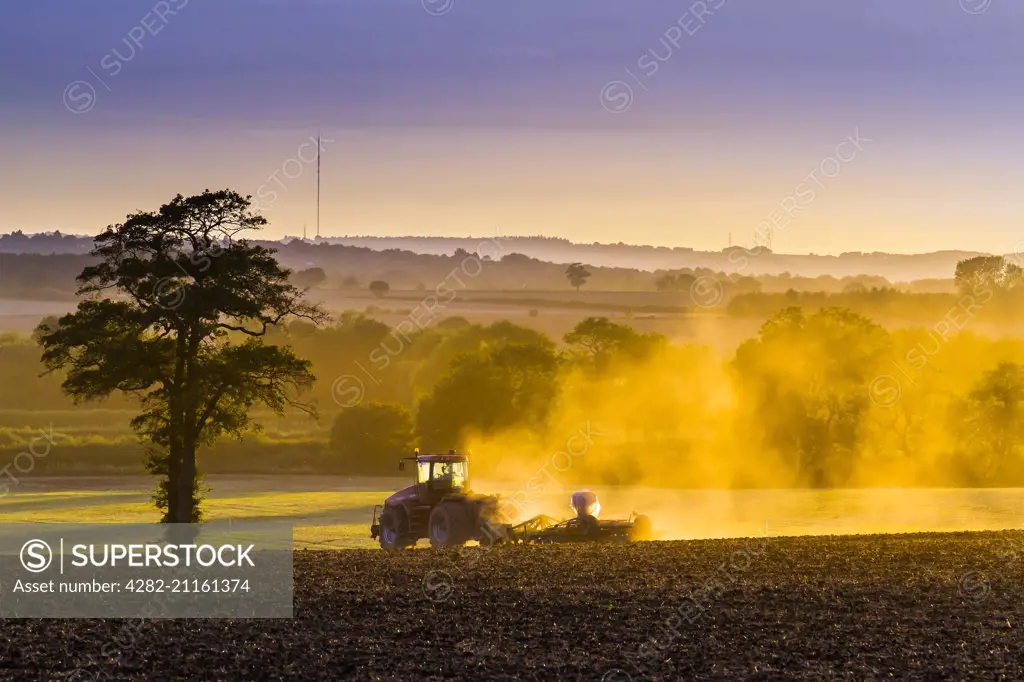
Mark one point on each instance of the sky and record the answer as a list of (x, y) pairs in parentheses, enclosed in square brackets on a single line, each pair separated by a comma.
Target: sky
[(846, 125)]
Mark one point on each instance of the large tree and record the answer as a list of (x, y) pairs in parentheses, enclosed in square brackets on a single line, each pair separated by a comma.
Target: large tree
[(371, 437), (175, 312), (805, 382), (497, 388)]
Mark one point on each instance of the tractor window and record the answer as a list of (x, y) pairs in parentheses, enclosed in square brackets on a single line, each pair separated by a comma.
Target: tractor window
[(422, 472), (457, 471), (461, 474), (450, 474)]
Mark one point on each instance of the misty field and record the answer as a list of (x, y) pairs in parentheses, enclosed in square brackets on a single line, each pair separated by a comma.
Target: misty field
[(334, 511), (550, 312), (325, 513)]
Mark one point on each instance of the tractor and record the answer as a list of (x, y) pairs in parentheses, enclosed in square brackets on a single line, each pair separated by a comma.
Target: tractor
[(438, 506)]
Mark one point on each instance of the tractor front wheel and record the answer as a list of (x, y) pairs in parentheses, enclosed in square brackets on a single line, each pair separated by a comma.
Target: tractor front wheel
[(394, 529), (450, 525)]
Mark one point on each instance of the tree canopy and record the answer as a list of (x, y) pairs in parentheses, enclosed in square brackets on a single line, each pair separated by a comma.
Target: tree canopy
[(509, 385), (309, 278), (175, 312), (987, 274), (597, 340), (804, 377), (372, 436), (989, 422)]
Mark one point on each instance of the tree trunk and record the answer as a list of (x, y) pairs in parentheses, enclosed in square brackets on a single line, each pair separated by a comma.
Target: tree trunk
[(173, 467), (178, 510), (189, 434), (186, 482)]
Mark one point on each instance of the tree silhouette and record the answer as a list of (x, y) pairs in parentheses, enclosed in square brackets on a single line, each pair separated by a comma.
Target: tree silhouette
[(804, 378), (506, 386), (577, 275), (309, 278), (596, 340), (987, 274), (175, 313), (370, 437), (989, 421), (682, 281)]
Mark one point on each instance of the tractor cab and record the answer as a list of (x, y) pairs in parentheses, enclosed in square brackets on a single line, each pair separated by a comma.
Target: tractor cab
[(439, 475)]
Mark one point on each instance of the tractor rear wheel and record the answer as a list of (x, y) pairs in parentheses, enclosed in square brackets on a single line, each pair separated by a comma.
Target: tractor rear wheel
[(450, 525), (394, 529)]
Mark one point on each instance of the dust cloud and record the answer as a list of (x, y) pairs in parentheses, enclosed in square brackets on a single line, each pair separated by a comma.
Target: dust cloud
[(719, 445)]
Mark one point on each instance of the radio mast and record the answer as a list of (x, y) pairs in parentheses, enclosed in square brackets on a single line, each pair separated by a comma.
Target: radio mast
[(318, 184)]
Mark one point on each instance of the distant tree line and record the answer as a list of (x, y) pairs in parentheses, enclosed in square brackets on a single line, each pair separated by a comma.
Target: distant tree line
[(996, 280), (34, 276)]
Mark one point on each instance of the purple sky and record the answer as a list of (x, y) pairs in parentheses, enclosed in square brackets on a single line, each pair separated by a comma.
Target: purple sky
[(490, 116)]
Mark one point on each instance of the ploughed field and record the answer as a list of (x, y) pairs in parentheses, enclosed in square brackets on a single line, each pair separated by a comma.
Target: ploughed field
[(925, 606)]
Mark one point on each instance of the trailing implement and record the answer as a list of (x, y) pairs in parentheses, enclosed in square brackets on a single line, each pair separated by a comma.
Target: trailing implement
[(584, 527)]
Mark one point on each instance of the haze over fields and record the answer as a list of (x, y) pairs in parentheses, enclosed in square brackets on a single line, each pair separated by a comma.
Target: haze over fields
[(756, 259)]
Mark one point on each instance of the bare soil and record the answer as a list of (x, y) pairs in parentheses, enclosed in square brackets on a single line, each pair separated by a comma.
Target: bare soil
[(925, 606)]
